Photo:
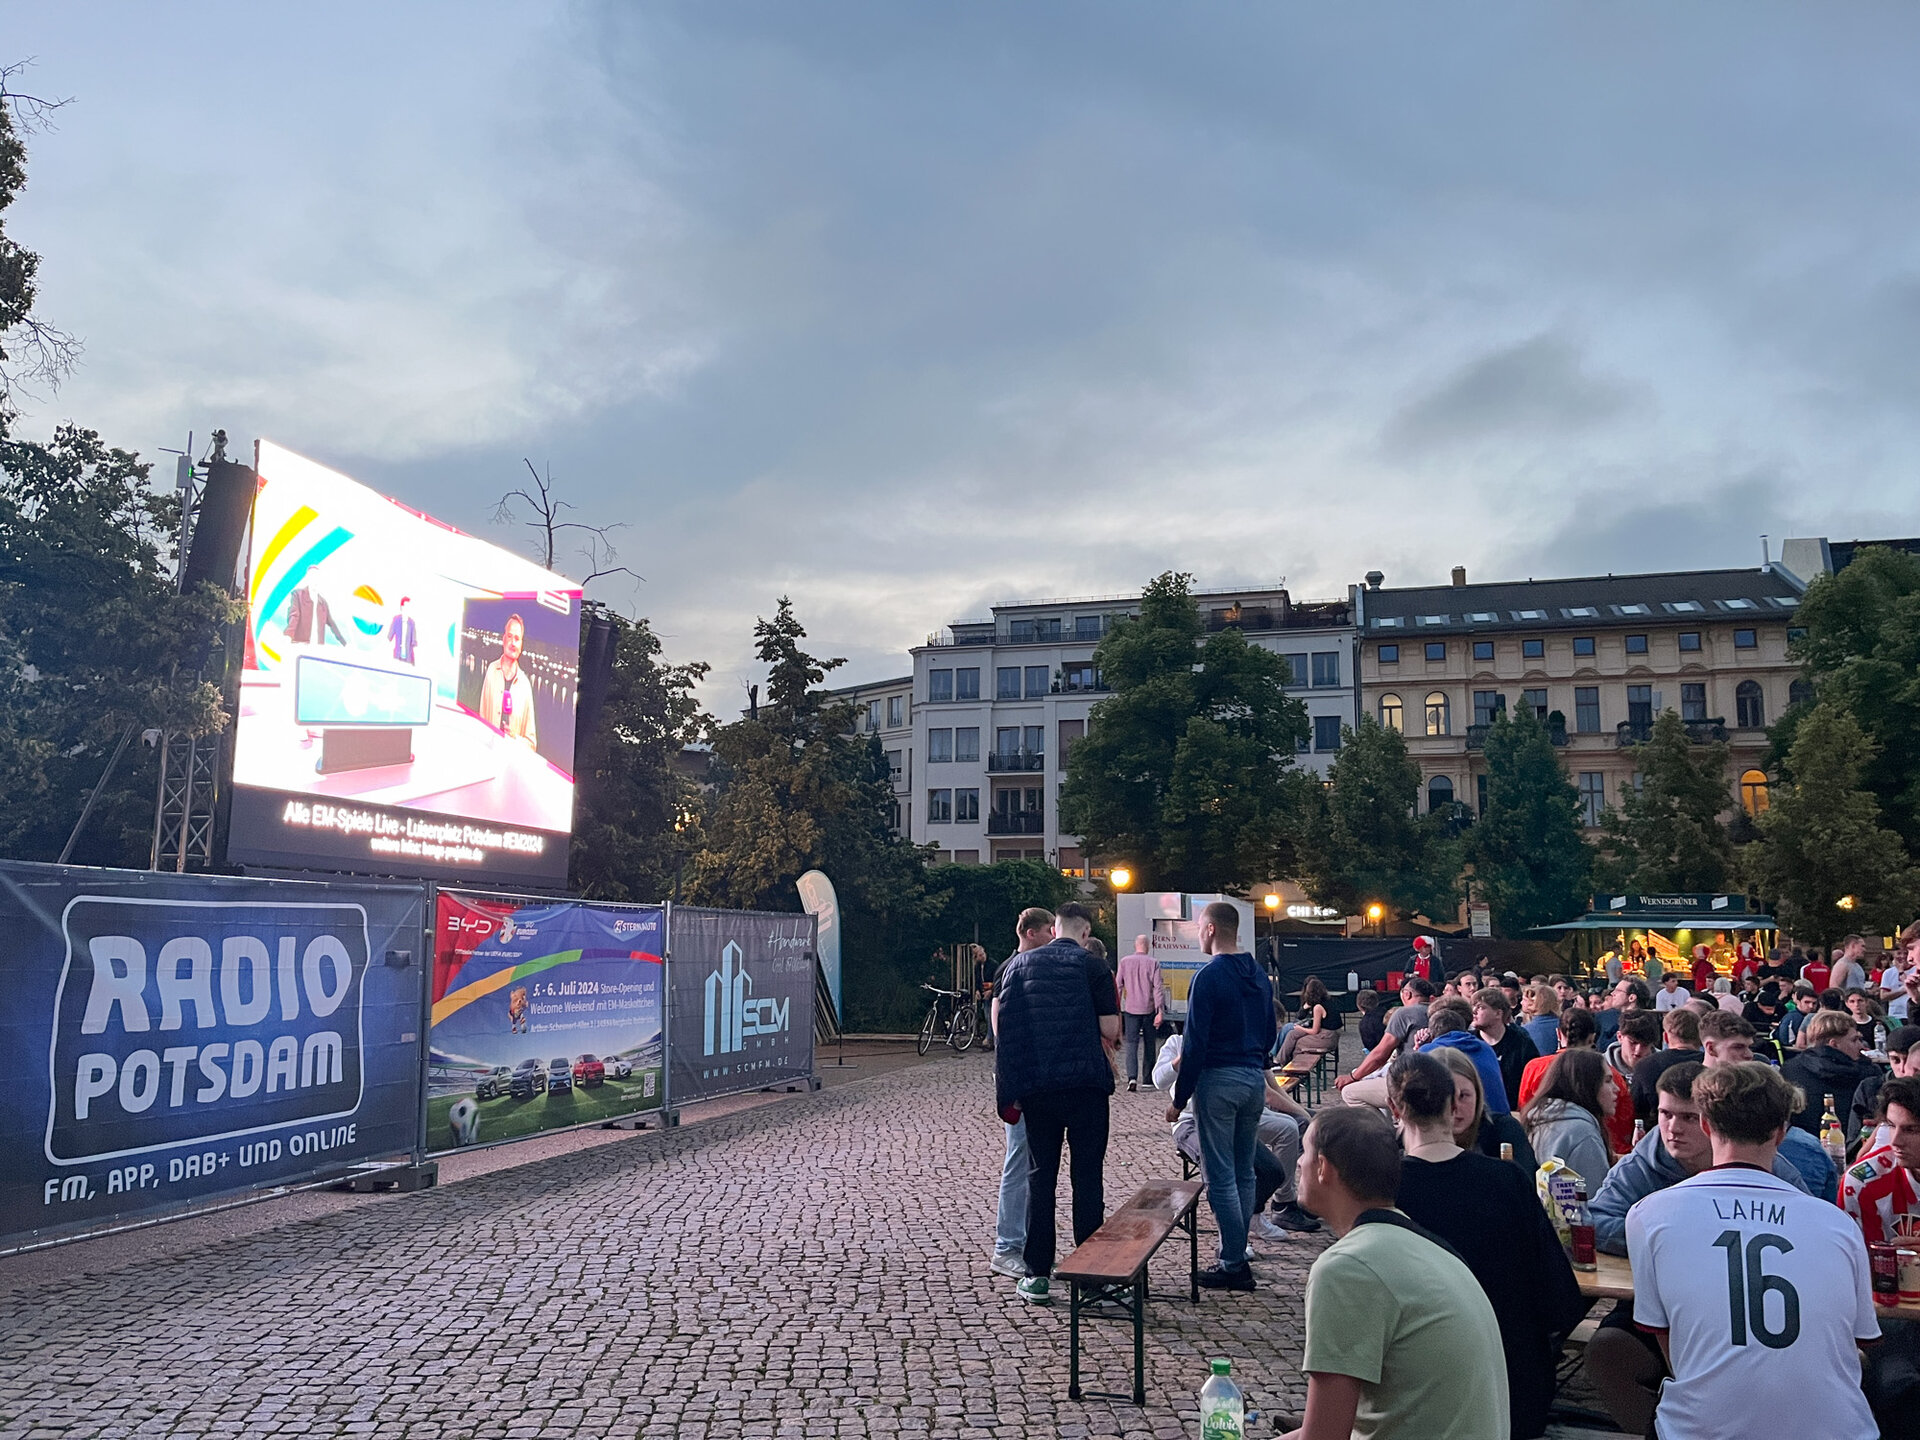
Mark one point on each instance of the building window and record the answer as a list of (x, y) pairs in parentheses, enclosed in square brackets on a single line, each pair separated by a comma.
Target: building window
[(1086, 627), (1297, 671), (1536, 701), (939, 807), (1750, 705), (1689, 640), (1583, 645), (1326, 669), (1392, 716), (1326, 732), (1586, 709), (1533, 649), (1753, 792), (1439, 794), (1437, 719), (873, 716), (893, 816), (1745, 640), (1800, 692), (1006, 740), (1640, 705), (1487, 704), (1796, 632), (939, 746), (1070, 731), (1480, 794), (1593, 797), (896, 711), (1483, 649), (1036, 681), (966, 857), (1693, 702), (966, 684), (966, 743), (1006, 683), (1436, 649), (1035, 739), (1080, 677), (939, 685), (1389, 654), (966, 807), (893, 766), (1636, 644)]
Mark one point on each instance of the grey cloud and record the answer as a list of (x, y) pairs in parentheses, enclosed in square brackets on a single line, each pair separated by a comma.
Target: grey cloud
[(1538, 388)]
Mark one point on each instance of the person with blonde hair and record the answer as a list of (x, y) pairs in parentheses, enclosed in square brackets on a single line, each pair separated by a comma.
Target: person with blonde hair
[(1474, 1126), (1540, 1016), (1830, 1065)]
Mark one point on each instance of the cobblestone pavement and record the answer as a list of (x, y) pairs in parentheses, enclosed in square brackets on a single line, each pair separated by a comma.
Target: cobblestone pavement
[(812, 1268)]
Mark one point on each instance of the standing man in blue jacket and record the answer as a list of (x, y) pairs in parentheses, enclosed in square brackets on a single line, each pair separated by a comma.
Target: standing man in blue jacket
[(1230, 1033), (1056, 1019)]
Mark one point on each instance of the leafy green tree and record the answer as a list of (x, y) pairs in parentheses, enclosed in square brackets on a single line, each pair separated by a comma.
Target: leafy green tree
[(1821, 838), (1182, 770), (1363, 839), (1529, 858), (798, 790), (633, 807), (1666, 834), (1861, 651)]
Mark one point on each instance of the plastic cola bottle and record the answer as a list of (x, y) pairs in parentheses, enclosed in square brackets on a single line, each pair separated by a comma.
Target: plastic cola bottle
[(1223, 1412)]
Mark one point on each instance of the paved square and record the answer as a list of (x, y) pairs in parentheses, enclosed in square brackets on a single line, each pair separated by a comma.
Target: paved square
[(814, 1267)]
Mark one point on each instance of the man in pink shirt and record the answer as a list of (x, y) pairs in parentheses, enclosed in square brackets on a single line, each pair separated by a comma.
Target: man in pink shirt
[(1143, 1000)]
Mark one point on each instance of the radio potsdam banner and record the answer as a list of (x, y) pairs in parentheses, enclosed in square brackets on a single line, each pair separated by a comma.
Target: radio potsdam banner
[(545, 1015), (173, 1038), (742, 1000)]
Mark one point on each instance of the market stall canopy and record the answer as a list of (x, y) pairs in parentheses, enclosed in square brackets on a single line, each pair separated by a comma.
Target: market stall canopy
[(1667, 912)]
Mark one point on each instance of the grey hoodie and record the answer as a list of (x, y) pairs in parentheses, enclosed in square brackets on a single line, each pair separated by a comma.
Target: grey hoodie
[(1566, 1132), (1641, 1171)]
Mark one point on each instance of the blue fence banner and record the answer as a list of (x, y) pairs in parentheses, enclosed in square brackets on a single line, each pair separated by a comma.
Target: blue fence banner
[(742, 996), (177, 1038), (545, 1015)]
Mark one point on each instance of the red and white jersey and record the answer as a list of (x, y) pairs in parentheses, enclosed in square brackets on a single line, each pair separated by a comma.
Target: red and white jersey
[(1763, 1292), (1877, 1191)]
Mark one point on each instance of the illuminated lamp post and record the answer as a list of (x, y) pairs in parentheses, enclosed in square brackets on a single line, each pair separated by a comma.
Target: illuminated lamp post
[(1376, 912)]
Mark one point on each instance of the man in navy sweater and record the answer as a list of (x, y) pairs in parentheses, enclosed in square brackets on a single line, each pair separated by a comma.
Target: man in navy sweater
[(1230, 1033)]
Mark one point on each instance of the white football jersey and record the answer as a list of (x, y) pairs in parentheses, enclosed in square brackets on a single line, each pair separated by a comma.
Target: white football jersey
[(1763, 1291)]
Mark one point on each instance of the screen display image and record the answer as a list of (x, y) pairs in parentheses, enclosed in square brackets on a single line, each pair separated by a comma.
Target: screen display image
[(407, 704)]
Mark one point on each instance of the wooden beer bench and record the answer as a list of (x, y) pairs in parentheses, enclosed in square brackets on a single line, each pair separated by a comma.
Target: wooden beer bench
[(1115, 1257)]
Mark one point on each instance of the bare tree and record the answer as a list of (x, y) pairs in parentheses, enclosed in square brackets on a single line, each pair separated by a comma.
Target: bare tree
[(593, 543), (32, 352)]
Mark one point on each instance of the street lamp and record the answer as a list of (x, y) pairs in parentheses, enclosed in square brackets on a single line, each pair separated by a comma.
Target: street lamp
[(1847, 902), (1272, 902), (1375, 913), (1120, 877)]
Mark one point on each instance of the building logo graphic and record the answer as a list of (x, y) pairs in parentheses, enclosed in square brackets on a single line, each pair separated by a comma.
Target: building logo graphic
[(730, 1016)]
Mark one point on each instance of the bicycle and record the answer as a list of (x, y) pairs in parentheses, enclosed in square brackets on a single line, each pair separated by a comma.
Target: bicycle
[(960, 1019)]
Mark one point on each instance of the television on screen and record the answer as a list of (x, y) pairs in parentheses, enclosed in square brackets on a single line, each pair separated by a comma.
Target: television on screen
[(408, 698)]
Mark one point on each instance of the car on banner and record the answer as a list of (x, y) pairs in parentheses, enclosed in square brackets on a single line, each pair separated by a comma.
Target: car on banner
[(529, 1080), (589, 1070), (495, 1083), (559, 1075), (618, 1067)]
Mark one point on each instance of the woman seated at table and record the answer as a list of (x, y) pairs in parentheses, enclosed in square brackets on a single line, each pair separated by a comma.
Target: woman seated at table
[(1564, 1120), (1490, 1215), (1318, 1029), (1474, 1127)]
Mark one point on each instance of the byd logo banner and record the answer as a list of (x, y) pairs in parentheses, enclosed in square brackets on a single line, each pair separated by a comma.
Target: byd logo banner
[(179, 1022), (730, 1015)]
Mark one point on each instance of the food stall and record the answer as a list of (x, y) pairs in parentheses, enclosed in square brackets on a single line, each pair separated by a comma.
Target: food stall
[(1666, 929)]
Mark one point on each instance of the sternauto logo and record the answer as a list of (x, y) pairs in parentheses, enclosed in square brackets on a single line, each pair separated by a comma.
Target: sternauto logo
[(730, 1016), (631, 927)]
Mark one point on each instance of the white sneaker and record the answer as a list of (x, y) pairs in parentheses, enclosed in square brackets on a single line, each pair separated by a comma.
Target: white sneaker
[(1264, 1229), (1009, 1262)]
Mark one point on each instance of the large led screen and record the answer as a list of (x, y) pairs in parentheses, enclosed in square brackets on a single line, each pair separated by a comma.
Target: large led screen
[(408, 699)]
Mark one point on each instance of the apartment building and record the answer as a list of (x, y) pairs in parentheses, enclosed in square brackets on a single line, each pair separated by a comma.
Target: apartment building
[(997, 705), (1596, 658), (885, 708)]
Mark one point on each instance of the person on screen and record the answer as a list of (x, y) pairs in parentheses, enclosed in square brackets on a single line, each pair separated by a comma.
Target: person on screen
[(310, 617), (506, 696), (404, 634)]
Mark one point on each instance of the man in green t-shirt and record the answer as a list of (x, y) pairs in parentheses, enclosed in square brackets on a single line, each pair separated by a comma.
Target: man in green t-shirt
[(1401, 1341)]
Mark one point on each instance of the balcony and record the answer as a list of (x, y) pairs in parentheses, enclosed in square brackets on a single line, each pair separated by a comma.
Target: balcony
[(1016, 760), (1477, 735), (1699, 732), (1019, 822)]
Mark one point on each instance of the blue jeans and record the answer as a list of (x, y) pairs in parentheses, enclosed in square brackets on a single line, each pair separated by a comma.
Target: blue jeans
[(1010, 1233), (1226, 1107)]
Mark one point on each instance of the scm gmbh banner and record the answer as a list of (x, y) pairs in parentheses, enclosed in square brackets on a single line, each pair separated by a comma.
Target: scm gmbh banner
[(175, 1038), (742, 995)]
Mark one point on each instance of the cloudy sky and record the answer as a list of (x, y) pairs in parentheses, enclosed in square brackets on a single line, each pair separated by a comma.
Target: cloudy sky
[(905, 310)]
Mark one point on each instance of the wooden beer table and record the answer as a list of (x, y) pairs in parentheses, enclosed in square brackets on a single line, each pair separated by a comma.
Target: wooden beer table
[(1612, 1279)]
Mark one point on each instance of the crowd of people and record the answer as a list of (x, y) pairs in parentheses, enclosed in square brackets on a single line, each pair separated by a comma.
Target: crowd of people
[(1693, 1125)]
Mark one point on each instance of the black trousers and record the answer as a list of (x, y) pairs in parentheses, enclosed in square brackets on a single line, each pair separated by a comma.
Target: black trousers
[(1079, 1117)]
